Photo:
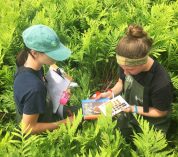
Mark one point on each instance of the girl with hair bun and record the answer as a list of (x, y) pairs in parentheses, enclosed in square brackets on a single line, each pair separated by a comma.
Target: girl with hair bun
[(143, 82)]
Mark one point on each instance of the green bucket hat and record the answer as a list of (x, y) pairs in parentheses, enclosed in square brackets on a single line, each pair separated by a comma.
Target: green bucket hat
[(44, 39)]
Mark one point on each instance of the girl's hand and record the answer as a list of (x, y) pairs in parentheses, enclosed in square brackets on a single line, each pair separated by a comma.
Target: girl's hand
[(99, 95), (68, 91), (129, 109)]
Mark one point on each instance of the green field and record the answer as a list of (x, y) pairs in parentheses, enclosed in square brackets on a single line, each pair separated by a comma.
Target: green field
[(91, 29)]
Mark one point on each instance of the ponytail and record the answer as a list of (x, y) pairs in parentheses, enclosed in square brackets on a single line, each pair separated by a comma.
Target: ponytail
[(22, 57)]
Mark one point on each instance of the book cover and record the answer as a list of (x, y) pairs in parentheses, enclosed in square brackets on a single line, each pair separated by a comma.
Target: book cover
[(90, 108), (117, 104)]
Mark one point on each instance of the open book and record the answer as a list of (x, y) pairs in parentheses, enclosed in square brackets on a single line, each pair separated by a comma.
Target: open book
[(117, 104), (92, 108)]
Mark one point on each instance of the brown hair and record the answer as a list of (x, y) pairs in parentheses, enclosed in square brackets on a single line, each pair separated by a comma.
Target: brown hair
[(136, 43), (22, 56)]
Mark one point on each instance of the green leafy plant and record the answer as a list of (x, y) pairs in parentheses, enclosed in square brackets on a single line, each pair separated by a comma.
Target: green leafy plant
[(91, 29), (149, 142)]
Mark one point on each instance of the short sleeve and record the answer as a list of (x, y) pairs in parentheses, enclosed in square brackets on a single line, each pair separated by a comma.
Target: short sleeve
[(162, 98), (35, 103)]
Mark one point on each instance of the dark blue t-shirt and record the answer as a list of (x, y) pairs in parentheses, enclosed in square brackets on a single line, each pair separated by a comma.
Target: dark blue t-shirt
[(30, 91)]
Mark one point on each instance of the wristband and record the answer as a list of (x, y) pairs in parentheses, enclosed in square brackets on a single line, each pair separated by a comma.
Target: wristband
[(135, 109), (110, 90)]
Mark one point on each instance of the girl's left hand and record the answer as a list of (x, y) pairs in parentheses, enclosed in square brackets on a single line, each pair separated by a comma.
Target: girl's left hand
[(68, 92), (128, 109)]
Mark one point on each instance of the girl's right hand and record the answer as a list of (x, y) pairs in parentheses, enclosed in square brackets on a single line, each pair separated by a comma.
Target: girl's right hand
[(99, 95)]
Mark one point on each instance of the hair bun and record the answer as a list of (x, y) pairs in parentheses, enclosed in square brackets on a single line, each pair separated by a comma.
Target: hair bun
[(136, 31)]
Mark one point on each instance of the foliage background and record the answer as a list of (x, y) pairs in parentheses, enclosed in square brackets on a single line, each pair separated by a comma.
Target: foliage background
[(91, 29)]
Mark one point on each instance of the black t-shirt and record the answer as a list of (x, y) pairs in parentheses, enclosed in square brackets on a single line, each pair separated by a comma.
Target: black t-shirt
[(160, 86), (30, 91)]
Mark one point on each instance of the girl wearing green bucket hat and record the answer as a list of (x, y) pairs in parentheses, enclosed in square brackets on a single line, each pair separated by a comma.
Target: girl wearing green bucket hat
[(143, 82), (42, 46)]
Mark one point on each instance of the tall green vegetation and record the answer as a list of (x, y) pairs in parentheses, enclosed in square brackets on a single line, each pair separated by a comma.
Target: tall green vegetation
[(99, 138), (91, 29)]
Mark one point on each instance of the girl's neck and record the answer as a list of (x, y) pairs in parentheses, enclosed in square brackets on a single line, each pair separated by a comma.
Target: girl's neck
[(32, 63), (149, 64)]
